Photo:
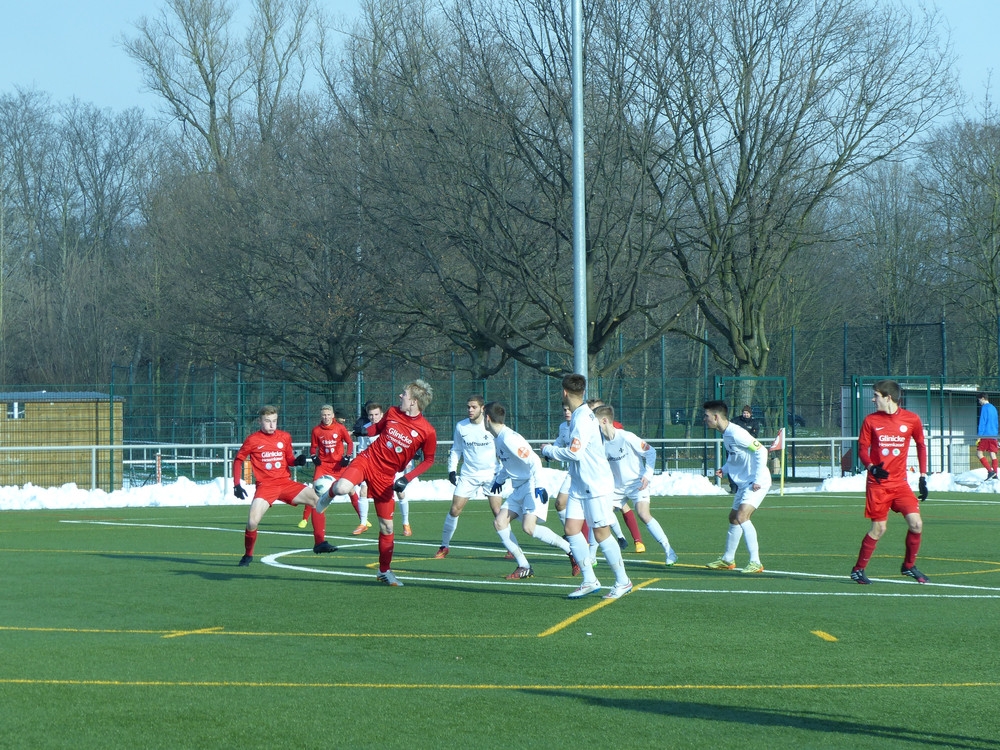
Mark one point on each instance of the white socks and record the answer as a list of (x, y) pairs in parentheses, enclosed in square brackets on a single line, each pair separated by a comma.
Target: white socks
[(512, 547), (450, 524), (750, 535), (547, 535), (732, 542)]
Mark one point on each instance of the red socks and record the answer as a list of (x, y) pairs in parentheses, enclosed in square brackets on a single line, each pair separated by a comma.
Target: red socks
[(249, 540), (386, 542), (867, 548), (319, 525), (912, 547), (633, 527)]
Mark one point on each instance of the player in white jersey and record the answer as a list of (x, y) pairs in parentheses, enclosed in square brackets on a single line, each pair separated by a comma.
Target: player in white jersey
[(632, 461), (746, 465), (590, 490), (472, 446), (373, 414), (528, 498)]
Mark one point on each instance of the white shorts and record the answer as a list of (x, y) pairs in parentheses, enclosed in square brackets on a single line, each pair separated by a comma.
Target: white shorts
[(631, 494), (747, 496), (522, 501), (473, 487), (596, 511)]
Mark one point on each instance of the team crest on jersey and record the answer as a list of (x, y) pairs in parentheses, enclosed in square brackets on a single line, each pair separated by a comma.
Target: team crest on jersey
[(414, 433), (903, 428), (281, 444)]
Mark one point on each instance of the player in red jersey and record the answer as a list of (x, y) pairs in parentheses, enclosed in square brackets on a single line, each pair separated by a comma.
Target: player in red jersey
[(882, 448), (399, 435), (270, 453), (330, 448)]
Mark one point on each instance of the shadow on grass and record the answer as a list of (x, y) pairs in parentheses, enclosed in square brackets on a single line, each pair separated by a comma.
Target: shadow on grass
[(763, 717)]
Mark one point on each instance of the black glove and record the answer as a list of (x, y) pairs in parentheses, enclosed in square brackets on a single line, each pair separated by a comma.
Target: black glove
[(345, 460), (496, 488), (542, 494), (361, 427), (300, 460), (240, 492), (453, 477), (400, 484), (878, 472), (922, 493), (315, 459)]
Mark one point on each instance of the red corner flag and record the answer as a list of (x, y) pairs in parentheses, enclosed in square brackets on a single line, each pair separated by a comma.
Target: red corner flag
[(779, 442)]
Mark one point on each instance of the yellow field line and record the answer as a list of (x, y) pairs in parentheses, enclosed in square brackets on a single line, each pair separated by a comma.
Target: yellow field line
[(260, 634), (590, 610), (433, 686)]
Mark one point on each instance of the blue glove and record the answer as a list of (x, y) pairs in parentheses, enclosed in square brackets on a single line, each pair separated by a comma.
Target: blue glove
[(496, 488), (542, 494)]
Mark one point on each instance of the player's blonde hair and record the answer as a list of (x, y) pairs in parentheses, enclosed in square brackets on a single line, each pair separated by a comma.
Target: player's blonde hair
[(421, 392)]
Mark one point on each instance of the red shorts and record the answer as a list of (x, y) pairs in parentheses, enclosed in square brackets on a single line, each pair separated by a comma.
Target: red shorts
[(987, 445), (379, 484), (324, 470), (284, 490), (880, 499)]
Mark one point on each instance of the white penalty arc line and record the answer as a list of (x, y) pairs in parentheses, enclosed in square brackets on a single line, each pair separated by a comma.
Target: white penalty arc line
[(273, 560)]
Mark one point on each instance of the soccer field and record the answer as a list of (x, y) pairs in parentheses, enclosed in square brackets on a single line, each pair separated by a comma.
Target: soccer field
[(135, 628)]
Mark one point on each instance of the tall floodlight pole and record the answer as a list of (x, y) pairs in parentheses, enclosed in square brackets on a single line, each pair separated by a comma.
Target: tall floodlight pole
[(579, 205)]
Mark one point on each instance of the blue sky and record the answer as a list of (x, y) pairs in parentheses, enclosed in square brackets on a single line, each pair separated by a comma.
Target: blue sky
[(68, 48)]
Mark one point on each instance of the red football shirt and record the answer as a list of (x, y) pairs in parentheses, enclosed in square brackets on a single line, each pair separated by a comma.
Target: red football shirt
[(885, 438), (270, 456), (331, 443), (398, 438)]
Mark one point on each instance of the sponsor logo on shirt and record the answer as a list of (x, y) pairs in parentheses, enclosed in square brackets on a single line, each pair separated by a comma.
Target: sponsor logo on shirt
[(575, 445), (524, 451)]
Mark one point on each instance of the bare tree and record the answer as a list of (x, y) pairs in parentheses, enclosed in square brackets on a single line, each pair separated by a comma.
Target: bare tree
[(463, 121), (773, 107), (960, 175)]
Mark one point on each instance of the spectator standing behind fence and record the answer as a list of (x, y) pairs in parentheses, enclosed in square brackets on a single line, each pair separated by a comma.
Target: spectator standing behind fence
[(883, 444), (270, 452), (746, 464), (987, 432)]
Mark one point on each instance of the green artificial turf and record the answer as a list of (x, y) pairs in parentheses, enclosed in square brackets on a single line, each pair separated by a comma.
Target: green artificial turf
[(135, 628)]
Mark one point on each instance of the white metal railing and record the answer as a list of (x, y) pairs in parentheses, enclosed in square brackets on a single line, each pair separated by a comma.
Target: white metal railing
[(813, 457)]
